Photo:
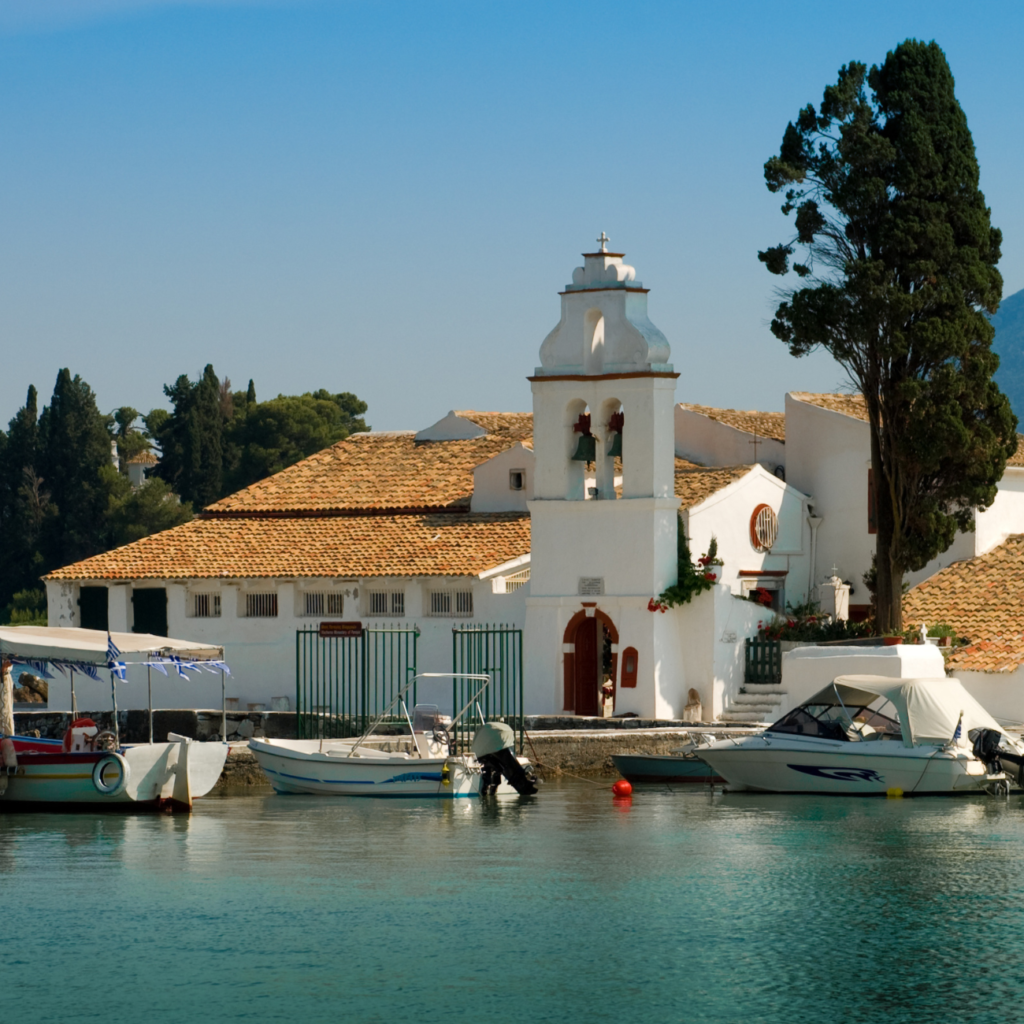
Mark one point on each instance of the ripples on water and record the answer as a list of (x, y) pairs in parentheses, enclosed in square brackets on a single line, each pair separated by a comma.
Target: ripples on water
[(565, 907)]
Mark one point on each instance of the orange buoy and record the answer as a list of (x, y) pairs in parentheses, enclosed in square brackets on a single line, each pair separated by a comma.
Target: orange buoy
[(622, 788)]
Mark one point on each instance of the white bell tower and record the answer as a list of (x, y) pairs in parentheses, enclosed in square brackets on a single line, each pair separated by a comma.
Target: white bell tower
[(604, 511)]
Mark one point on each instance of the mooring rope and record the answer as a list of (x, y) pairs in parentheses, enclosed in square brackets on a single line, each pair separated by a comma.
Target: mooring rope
[(560, 771)]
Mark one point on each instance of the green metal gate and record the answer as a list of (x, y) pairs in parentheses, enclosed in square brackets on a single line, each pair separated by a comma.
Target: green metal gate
[(762, 662), (343, 682), (496, 650)]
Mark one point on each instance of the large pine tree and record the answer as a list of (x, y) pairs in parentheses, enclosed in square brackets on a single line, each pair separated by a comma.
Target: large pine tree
[(898, 273)]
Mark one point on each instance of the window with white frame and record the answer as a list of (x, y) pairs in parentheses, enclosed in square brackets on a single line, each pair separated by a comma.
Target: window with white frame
[(206, 606), (386, 602), (322, 603), (261, 606), (451, 603)]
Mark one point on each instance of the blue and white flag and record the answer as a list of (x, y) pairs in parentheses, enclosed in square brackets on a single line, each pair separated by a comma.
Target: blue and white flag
[(115, 666), (957, 731), (177, 663)]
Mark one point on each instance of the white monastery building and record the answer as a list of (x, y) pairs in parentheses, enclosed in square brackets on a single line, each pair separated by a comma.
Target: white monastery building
[(562, 523)]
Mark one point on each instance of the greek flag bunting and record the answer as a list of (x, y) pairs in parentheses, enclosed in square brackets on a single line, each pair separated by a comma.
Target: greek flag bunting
[(115, 666)]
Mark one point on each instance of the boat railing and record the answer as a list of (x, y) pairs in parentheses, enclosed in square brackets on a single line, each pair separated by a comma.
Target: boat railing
[(403, 710)]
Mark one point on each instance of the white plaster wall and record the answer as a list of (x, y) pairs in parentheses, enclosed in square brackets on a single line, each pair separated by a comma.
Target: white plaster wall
[(827, 457), (261, 652), (806, 670), (726, 514), (1006, 514), (713, 443), (1001, 694), (491, 488), (630, 544), (711, 630)]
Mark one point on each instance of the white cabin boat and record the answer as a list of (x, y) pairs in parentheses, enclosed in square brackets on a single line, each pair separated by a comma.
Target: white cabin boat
[(91, 769), (875, 735)]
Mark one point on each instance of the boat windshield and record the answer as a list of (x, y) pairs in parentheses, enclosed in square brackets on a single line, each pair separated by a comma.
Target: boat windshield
[(839, 722)]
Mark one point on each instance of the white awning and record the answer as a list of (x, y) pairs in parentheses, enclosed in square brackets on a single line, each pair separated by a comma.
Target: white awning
[(928, 709), (89, 646)]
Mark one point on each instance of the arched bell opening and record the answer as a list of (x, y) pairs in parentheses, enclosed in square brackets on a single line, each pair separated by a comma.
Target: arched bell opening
[(581, 450), (609, 464), (590, 664), (593, 341)]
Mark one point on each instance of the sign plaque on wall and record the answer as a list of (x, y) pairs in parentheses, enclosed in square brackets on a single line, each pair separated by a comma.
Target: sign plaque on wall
[(341, 629), (591, 586)]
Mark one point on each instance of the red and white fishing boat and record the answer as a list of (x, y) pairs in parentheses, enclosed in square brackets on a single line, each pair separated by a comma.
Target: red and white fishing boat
[(90, 768)]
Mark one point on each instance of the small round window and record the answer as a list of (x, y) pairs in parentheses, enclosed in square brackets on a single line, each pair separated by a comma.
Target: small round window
[(764, 528)]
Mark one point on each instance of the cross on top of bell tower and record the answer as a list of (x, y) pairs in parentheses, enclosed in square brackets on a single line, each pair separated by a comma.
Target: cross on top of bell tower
[(603, 242)]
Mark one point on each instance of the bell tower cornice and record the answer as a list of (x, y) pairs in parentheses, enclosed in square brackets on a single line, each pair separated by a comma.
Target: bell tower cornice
[(604, 327)]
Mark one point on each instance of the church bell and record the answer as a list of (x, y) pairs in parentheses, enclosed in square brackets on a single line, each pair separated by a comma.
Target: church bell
[(586, 449), (615, 451)]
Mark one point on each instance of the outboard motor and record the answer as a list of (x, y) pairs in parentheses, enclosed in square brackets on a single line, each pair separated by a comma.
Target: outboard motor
[(494, 745), (996, 758)]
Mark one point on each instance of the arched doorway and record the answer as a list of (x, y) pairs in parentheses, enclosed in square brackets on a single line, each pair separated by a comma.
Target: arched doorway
[(590, 661)]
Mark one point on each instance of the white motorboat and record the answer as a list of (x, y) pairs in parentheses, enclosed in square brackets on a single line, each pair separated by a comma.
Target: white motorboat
[(422, 763), (91, 768), (875, 735)]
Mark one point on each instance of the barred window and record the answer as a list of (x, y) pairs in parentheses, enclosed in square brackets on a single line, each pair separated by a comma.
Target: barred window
[(261, 606), (206, 606), (387, 602), (320, 603), (451, 603)]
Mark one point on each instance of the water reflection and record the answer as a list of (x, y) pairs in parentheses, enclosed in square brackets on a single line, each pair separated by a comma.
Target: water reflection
[(565, 906)]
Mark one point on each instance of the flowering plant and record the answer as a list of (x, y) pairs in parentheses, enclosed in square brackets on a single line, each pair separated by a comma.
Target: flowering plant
[(691, 579)]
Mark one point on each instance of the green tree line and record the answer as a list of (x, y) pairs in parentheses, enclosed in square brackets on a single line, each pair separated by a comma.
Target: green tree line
[(62, 498)]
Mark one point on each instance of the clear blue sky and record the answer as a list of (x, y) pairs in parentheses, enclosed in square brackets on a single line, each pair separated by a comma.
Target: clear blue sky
[(386, 197)]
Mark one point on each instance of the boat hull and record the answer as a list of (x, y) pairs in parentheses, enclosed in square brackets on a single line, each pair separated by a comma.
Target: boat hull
[(776, 765), (160, 776), (665, 768), (333, 772)]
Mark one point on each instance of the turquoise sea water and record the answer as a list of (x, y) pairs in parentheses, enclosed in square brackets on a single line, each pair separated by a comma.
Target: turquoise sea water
[(565, 907)]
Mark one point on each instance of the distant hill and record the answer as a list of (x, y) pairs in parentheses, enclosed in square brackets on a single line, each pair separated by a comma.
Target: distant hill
[(1009, 346)]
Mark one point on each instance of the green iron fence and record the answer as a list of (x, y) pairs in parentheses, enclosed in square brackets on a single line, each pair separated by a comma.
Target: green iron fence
[(762, 661), (496, 650), (343, 682)]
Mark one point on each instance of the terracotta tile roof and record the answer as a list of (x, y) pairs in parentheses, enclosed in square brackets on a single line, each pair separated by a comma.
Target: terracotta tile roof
[(766, 424), (695, 483), (142, 459), (848, 405), (382, 471), (374, 545), (981, 599)]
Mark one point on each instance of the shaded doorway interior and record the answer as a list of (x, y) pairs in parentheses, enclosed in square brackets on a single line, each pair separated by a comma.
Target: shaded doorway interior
[(150, 611), (92, 608)]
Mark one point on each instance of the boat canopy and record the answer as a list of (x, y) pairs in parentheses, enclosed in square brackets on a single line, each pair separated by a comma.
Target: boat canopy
[(89, 646), (928, 709)]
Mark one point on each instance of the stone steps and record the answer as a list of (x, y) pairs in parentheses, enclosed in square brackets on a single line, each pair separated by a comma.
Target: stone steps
[(758, 703)]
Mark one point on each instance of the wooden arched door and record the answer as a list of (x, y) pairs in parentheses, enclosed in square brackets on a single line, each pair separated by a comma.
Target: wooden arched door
[(588, 664)]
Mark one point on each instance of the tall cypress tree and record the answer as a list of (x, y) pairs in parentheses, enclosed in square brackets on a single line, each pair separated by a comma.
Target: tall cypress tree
[(899, 271), (25, 504), (76, 466)]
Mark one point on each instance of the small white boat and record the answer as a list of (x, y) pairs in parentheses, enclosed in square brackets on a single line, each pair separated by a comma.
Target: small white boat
[(91, 769), (874, 735), (429, 766)]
